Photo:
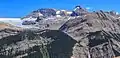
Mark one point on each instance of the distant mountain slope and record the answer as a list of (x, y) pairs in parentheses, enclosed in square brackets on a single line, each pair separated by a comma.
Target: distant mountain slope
[(81, 34)]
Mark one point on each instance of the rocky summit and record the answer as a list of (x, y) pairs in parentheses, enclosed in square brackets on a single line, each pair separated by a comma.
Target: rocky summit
[(63, 34)]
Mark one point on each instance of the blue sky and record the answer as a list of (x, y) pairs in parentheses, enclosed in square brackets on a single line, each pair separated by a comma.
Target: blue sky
[(20, 8)]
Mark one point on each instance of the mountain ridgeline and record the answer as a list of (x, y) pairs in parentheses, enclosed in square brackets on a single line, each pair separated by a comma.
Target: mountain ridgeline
[(63, 34)]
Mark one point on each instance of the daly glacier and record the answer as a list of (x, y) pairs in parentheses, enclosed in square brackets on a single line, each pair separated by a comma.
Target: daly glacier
[(16, 22), (13, 21)]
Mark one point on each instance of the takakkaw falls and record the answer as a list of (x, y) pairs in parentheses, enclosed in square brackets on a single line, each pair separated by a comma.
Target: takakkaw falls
[(53, 33)]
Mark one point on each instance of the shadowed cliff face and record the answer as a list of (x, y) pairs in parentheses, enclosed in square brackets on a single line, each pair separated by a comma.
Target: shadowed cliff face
[(37, 44)]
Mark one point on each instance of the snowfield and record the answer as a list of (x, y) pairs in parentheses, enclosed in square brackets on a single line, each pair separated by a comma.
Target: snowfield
[(13, 21), (1, 19), (17, 22)]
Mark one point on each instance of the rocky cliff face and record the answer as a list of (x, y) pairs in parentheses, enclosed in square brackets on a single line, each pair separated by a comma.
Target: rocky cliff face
[(97, 35), (91, 35)]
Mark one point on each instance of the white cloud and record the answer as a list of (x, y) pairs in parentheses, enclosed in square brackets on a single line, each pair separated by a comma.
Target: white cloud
[(88, 8), (117, 13)]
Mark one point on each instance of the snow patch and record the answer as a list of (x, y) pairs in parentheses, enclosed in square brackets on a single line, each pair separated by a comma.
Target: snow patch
[(63, 10), (58, 12), (69, 12), (58, 16)]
